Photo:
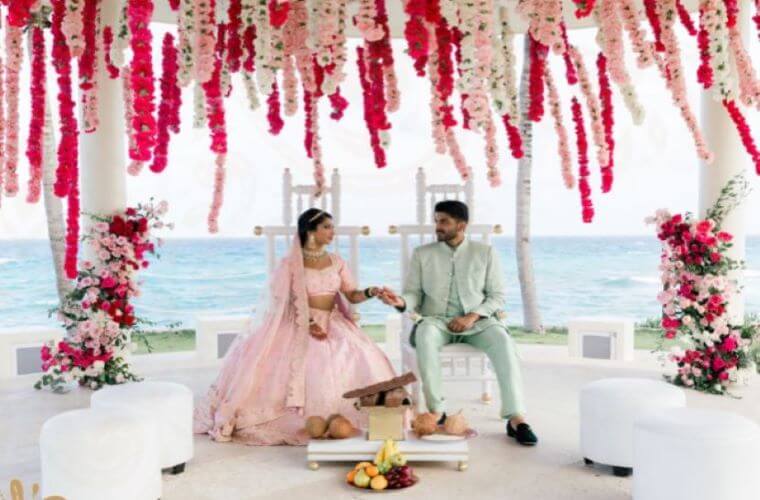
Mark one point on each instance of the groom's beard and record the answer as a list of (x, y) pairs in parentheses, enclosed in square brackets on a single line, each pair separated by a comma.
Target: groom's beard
[(441, 236)]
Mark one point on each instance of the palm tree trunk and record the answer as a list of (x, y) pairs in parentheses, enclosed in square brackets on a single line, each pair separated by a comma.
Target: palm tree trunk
[(531, 316), (54, 208)]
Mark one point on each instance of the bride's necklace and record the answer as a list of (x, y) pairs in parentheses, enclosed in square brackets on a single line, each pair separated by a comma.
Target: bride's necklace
[(313, 255)]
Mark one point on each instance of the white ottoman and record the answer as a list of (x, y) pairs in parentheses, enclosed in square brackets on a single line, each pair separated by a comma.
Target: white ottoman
[(608, 409), (167, 404), (696, 454), (92, 454)]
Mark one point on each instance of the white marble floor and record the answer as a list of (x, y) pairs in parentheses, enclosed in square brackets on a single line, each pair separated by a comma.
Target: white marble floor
[(498, 467)]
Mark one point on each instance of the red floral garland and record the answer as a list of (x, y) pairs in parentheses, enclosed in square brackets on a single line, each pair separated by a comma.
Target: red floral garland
[(605, 97), (37, 120), (732, 11), (704, 71), (174, 4), (273, 111), (583, 8), (445, 84), (218, 129), (249, 39), (457, 39), (583, 170), (338, 103), (416, 34), (87, 60), (234, 38), (68, 145), (19, 12), (685, 18), (744, 132), (113, 71), (167, 110), (650, 7), (141, 71), (570, 73), (538, 53), (371, 117), (278, 13), (513, 134)]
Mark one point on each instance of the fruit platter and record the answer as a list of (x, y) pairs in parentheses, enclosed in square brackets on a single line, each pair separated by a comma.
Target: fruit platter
[(388, 471)]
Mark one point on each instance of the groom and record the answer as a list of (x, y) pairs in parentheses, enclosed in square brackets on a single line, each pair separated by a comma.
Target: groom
[(457, 287)]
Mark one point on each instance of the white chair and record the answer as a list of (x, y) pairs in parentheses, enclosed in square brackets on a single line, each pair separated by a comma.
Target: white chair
[(168, 405), (215, 334), (459, 362), (300, 197), (696, 454), (608, 409), (93, 454), (601, 337)]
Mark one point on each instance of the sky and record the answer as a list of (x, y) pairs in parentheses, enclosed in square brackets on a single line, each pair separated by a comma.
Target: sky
[(656, 165)]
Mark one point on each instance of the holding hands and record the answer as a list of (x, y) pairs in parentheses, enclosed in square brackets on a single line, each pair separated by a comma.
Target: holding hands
[(389, 298)]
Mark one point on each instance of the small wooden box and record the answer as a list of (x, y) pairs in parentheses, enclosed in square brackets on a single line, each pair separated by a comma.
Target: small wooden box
[(386, 423)]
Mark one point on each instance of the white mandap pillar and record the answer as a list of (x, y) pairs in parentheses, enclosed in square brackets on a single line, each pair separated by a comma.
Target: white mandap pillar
[(731, 159), (102, 158)]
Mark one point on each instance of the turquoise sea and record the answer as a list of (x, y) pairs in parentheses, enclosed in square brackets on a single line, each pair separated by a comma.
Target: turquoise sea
[(575, 276)]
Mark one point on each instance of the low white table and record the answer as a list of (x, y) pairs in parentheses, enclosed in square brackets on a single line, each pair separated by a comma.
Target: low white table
[(359, 449)]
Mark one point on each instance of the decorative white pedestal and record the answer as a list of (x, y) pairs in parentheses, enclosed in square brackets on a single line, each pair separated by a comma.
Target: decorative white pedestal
[(614, 336), (360, 449)]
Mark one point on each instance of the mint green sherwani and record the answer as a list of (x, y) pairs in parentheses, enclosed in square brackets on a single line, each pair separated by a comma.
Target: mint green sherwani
[(446, 282)]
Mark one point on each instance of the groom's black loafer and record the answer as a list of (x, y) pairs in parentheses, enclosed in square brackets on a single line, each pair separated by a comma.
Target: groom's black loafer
[(523, 434)]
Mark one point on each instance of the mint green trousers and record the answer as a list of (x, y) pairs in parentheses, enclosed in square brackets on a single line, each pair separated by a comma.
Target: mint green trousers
[(498, 345)]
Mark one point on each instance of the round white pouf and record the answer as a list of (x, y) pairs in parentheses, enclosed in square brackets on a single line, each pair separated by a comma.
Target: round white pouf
[(608, 409), (167, 404), (92, 454), (696, 454)]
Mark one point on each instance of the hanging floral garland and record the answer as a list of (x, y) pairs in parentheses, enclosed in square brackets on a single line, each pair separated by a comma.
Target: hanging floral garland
[(37, 119), (587, 206), (14, 57)]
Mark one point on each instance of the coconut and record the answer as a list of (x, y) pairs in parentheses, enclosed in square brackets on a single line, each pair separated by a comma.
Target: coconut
[(316, 426), (341, 428), (455, 424), (425, 423)]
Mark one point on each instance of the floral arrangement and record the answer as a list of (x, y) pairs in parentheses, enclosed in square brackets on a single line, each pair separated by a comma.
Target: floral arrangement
[(293, 53), (696, 294), (98, 315)]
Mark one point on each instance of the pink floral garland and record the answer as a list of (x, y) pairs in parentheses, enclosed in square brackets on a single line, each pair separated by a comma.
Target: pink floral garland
[(113, 71), (605, 96), (141, 83), (744, 132), (218, 129), (37, 121), (205, 43), (167, 110), (2, 121), (559, 127), (749, 85), (675, 81), (538, 53), (73, 26), (583, 170), (13, 40), (632, 23)]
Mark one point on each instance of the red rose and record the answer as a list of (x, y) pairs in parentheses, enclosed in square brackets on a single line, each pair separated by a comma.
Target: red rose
[(704, 226), (718, 364), (131, 211), (723, 376), (724, 236), (715, 257), (729, 344), (142, 224), (117, 226)]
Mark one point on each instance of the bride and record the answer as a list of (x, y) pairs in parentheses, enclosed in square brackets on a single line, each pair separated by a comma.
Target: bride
[(303, 354)]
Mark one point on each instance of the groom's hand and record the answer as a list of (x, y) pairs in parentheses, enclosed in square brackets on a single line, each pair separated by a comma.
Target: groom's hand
[(389, 298), (462, 323)]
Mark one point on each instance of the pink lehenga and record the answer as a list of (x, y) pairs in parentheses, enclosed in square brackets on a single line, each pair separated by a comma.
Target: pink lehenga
[(278, 375)]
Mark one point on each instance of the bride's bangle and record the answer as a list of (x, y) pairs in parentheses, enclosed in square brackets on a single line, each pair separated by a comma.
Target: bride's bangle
[(368, 292)]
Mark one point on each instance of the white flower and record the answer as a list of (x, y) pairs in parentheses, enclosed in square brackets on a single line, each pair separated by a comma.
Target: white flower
[(119, 378), (93, 385), (98, 365)]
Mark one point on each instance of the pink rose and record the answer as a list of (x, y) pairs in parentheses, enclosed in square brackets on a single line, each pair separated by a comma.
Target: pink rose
[(108, 282)]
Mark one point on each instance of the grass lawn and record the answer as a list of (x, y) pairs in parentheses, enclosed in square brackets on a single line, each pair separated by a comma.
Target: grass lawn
[(184, 340)]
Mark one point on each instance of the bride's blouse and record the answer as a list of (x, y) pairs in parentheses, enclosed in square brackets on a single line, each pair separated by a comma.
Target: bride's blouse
[(328, 281)]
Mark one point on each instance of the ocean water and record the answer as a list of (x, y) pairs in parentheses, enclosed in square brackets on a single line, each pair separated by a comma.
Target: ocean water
[(574, 276)]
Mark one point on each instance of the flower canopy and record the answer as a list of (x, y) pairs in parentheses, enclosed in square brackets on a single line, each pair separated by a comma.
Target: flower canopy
[(293, 53)]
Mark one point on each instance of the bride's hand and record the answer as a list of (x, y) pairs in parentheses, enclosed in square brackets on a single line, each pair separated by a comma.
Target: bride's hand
[(316, 331)]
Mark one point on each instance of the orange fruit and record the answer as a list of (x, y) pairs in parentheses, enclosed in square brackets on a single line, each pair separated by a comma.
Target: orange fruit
[(362, 465), (378, 483), (350, 476), (371, 471)]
